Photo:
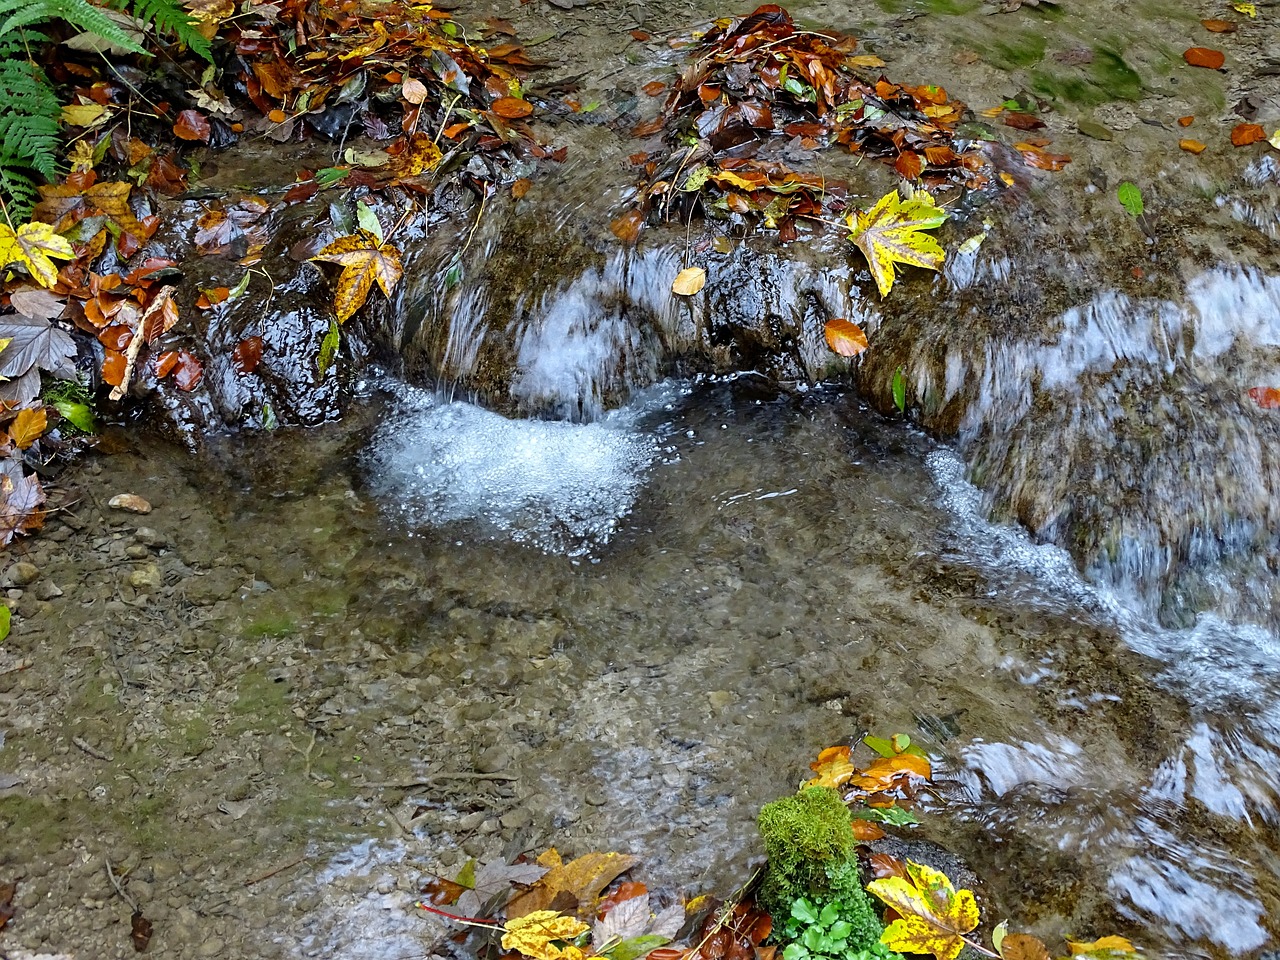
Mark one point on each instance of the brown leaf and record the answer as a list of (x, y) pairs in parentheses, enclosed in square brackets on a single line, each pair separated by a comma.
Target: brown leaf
[(113, 367), (1247, 133), (654, 87), (247, 354), (164, 365), (581, 880), (8, 890), (187, 371), (442, 892), (627, 227), (20, 502), (192, 125), (1204, 57), (908, 165), (1219, 26), (27, 427), (1023, 121), (520, 188), (845, 338), (140, 931), (1186, 121), (1268, 398), (884, 866), (1191, 146), (639, 35), (866, 831), (512, 108), (1022, 946)]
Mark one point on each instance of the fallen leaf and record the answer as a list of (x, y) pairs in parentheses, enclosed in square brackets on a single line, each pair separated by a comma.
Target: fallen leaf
[(1219, 26), (1023, 121), (20, 503), (1204, 57), (35, 342), (1191, 146), (187, 371), (487, 888), (414, 91), (1244, 6), (1268, 398), (520, 188), (865, 831), (1106, 948), (932, 915), (28, 426), (689, 281), (31, 246), (512, 108), (1022, 946), (544, 935), (247, 354), (364, 259), (192, 125), (626, 890), (1186, 121), (580, 881), (847, 339), (139, 931), (890, 232), (654, 88), (1243, 134)]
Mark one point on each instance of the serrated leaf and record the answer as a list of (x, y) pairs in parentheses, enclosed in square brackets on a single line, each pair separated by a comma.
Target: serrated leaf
[(31, 247), (890, 232), (1130, 198), (364, 259), (628, 919), (933, 915), (492, 883)]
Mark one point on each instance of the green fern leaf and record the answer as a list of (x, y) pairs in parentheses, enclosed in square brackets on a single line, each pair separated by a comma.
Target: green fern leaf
[(79, 13), (168, 16)]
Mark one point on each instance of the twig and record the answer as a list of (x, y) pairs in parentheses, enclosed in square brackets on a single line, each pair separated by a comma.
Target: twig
[(272, 872), (133, 905), (428, 781), (92, 751)]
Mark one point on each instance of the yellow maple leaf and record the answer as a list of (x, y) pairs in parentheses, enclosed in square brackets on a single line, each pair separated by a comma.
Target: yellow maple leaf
[(933, 915), (31, 246), (364, 259), (534, 934), (1248, 9), (890, 232)]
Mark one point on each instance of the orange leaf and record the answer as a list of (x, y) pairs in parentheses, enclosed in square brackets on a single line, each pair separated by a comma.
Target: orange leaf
[(1247, 133), (1204, 57), (26, 429), (454, 129), (847, 339), (521, 187), (1186, 121), (1022, 946), (654, 87), (247, 354), (1023, 121), (866, 831), (627, 890), (113, 365), (908, 165), (277, 116), (627, 227), (639, 35), (164, 365), (192, 125), (1191, 146), (832, 767), (1268, 398), (1219, 26), (512, 108), (885, 770), (187, 371)]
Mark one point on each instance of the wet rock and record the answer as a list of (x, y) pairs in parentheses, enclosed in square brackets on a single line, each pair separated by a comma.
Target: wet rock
[(471, 821), (136, 551), (595, 797), (47, 590), (149, 537), (129, 502), (475, 712), (23, 574)]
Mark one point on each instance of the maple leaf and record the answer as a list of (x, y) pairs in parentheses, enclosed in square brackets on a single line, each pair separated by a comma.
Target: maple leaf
[(31, 246), (933, 915), (631, 921), (890, 232), (539, 935), (364, 258), (574, 884), (35, 342)]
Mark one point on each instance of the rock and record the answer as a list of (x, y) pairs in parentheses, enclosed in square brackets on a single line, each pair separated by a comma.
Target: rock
[(136, 551), (130, 502), (493, 760), (517, 818), (22, 573), (481, 710), (471, 821), (148, 577), (47, 590), (150, 537), (595, 797)]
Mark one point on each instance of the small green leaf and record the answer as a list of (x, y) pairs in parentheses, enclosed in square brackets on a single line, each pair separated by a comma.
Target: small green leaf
[(999, 933), (879, 744), (900, 391), (328, 176), (240, 287), (895, 816), (268, 417), (804, 911), (830, 913), (812, 939), (368, 220), (77, 414), (634, 948), (6, 617), (793, 951), (840, 930), (328, 350), (467, 875), (1130, 198)]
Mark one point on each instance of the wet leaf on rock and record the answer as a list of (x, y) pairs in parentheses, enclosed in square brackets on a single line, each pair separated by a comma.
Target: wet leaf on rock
[(28, 426), (247, 354), (1022, 946), (1106, 948), (1204, 57), (192, 125), (845, 337), (1191, 146), (891, 232), (579, 881), (1219, 26), (1268, 398), (1244, 134), (689, 281), (932, 915), (364, 259), (35, 343), (1130, 198), (512, 108)]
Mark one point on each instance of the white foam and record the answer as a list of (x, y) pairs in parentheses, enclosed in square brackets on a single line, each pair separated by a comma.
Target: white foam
[(559, 487)]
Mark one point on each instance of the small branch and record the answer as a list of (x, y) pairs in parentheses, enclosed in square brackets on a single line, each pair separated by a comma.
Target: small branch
[(119, 889), (275, 870)]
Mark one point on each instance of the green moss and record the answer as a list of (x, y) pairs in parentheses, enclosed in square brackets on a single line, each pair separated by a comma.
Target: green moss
[(809, 841), (1021, 51), (950, 8), (273, 625)]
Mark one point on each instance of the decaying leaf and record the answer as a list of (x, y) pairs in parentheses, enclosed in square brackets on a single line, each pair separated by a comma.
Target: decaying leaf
[(890, 232), (486, 888), (31, 247), (575, 885), (35, 343), (544, 935), (631, 919), (689, 281), (1268, 398), (933, 915), (364, 259), (21, 500)]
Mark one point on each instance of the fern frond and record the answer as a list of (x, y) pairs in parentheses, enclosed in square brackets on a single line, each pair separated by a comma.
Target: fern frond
[(19, 191), (29, 138), (168, 16), (79, 13)]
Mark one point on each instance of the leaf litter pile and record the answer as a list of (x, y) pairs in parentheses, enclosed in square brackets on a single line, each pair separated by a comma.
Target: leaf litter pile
[(843, 896)]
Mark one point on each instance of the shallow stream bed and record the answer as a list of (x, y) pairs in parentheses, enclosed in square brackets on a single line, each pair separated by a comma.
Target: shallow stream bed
[(316, 661)]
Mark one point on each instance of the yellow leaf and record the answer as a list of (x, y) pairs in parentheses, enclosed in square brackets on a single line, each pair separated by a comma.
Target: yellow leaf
[(375, 43), (1248, 9), (890, 232), (84, 114), (363, 260), (867, 60), (934, 915), (81, 157), (27, 427), (1107, 948), (689, 281), (532, 935), (31, 247), (832, 767), (582, 879)]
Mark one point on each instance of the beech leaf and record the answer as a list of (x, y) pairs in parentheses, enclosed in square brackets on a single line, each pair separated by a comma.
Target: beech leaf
[(845, 337), (890, 232), (689, 281)]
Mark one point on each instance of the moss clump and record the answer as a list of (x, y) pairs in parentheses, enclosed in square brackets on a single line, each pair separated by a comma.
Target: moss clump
[(809, 841)]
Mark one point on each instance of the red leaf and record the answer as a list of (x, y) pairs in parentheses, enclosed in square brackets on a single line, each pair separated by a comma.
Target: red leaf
[(165, 363), (192, 125), (247, 355), (1204, 57), (1247, 133), (188, 371), (1268, 398), (1023, 121), (654, 87)]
